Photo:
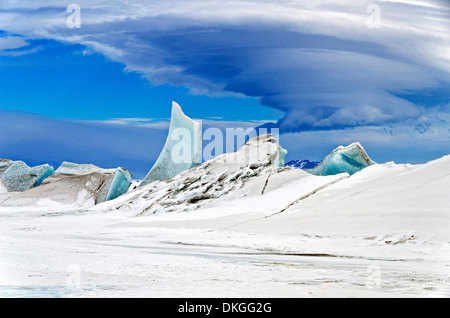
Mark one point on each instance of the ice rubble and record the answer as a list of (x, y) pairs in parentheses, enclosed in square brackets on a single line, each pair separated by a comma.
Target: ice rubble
[(117, 185), (231, 181), (116, 181), (72, 186), (166, 166), (350, 159), (18, 176), (191, 189)]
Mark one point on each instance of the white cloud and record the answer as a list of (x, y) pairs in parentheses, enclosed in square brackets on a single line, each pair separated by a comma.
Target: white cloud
[(12, 42)]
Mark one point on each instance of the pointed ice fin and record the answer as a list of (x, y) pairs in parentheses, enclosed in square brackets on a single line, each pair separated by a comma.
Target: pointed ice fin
[(182, 150)]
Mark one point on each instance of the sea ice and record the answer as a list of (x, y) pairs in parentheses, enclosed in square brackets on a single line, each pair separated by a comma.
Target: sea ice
[(17, 176), (4, 164), (350, 159), (166, 166), (73, 186)]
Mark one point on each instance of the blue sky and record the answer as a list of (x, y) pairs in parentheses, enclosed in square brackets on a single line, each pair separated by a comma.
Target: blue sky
[(326, 74), (68, 81)]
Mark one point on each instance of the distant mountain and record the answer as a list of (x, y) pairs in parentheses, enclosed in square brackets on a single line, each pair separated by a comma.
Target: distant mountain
[(302, 164)]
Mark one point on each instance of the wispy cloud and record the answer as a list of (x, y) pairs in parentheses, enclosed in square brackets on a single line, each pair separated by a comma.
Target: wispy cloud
[(158, 123), (164, 123)]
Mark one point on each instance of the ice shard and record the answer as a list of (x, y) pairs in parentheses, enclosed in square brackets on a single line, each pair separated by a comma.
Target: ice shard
[(182, 150), (281, 156), (350, 159), (117, 185), (17, 176), (116, 181)]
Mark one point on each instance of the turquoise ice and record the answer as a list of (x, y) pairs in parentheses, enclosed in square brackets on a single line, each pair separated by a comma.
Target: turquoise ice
[(281, 156), (4, 164), (17, 176), (182, 150), (350, 159), (115, 184)]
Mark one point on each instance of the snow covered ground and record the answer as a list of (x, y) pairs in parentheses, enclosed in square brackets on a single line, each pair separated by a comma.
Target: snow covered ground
[(265, 232)]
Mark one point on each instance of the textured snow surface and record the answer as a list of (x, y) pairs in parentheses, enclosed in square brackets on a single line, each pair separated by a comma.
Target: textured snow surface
[(350, 159), (166, 166)]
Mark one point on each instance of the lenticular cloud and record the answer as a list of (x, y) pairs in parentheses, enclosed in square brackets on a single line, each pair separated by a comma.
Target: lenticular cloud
[(323, 65)]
